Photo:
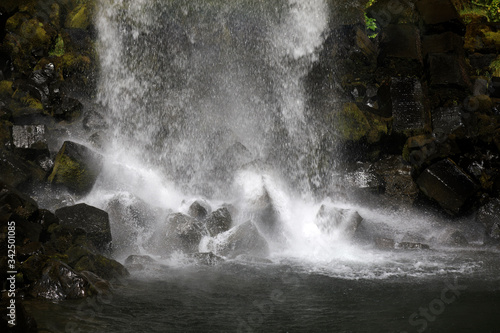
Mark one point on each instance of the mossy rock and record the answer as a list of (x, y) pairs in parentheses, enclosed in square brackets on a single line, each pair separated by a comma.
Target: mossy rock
[(81, 16), (104, 267), (76, 167), (352, 124), (6, 88)]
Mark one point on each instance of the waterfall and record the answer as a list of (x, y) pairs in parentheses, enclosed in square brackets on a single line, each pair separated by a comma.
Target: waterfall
[(199, 89)]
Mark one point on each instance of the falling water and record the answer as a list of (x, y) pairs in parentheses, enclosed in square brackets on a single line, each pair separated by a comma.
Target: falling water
[(207, 102)]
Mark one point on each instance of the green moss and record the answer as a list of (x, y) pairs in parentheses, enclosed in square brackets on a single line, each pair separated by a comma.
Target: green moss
[(79, 18), (495, 67), (32, 102), (58, 50), (6, 88), (71, 173), (351, 123)]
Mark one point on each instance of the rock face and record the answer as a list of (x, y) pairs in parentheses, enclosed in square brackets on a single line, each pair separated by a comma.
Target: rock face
[(448, 184), (179, 233), (218, 221), (244, 239), (332, 219), (76, 167), (489, 217), (93, 220)]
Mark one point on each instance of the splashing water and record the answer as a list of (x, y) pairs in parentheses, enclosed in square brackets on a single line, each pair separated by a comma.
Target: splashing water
[(206, 102)]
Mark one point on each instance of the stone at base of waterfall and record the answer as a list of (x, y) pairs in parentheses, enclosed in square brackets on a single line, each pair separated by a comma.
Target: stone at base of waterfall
[(179, 233), (136, 262), (411, 246), (385, 243), (331, 219), (59, 281), (76, 167), (130, 218), (91, 219), (447, 184), (369, 232), (197, 211), (206, 258), (489, 217), (452, 237), (218, 221), (244, 239)]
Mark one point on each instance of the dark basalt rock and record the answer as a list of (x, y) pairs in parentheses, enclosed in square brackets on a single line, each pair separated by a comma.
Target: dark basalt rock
[(218, 221), (93, 220), (179, 233), (17, 172), (58, 281), (197, 211), (440, 16), (489, 216), (407, 100), (330, 219), (447, 184), (412, 246), (244, 239), (447, 69), (206, 258), (452, 238), (76, 167)]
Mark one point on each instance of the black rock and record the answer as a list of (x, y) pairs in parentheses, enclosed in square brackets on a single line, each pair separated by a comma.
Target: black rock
[(76, 167), (197, 211), (489, 216), (446, 183), (91, 219), (218, 221)]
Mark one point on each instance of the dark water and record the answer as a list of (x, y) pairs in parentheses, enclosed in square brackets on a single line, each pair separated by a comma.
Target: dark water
[(286, 297)]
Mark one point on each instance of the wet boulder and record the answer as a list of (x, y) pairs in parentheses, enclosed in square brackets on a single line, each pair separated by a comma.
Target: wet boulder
[(383, 243), (179, 233), (139, 262), (244, 239), (411, 246), (58, 282), (30, 141), (489, 216), (197, 210), (18, 172), (355, 124), (94, 221), (102, 266), (331, 220), (218, 221), (447, 184), (439, 16), (406, 99), (206, 258), (401, 48), (76, 167), (448, 69), (452, 237), (129, 217)]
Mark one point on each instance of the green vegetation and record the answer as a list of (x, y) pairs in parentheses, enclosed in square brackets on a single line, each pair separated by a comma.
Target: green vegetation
[(371, 23), (58, 49), (485, 8)]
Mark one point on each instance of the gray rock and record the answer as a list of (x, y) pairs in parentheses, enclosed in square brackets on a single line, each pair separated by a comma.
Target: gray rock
[(218, 221), (244, 239), (197, 211), (489, 216), (329, 219)]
